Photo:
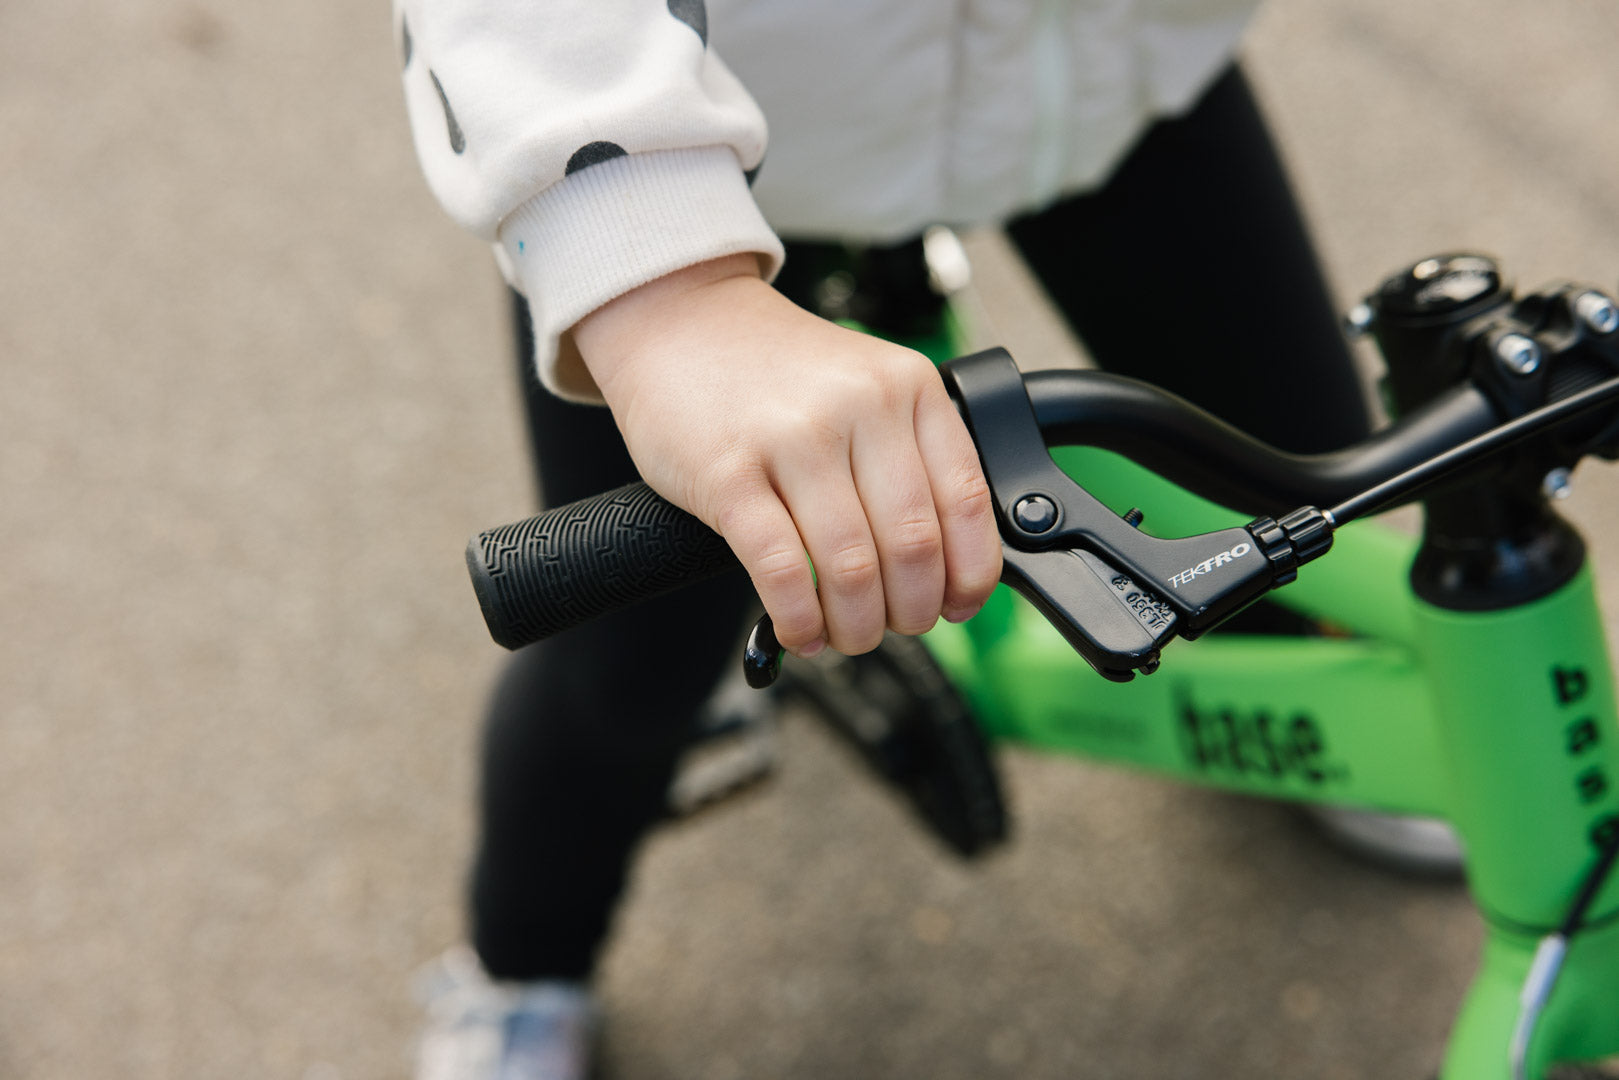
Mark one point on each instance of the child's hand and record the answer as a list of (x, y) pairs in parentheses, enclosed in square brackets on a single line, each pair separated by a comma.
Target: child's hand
[(786, 433)]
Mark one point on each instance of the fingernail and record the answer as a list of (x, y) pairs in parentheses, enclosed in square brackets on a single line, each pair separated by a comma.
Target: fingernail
[(961, 614), (812, 650)]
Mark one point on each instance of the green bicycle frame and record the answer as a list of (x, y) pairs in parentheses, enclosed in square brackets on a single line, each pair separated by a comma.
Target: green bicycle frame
[(1501, 722)]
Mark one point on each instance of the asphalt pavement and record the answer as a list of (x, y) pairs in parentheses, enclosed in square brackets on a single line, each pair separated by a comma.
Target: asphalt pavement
[(256, 394)]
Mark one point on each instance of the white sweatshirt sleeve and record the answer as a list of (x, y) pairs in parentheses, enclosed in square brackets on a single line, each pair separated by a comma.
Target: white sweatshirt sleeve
[(599, 144)]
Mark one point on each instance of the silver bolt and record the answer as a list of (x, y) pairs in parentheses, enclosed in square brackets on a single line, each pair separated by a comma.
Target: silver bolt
[(1597, 312), (1558, 484), (1358, 320), (1518, 354)]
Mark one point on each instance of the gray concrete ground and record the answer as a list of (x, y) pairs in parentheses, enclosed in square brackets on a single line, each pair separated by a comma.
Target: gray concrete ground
[(255, 395)]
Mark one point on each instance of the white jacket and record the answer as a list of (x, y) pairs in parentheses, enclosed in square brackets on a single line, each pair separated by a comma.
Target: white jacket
[(603, 143)]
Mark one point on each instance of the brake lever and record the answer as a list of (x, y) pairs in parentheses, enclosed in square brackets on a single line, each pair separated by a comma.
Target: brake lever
[(1117, 595)]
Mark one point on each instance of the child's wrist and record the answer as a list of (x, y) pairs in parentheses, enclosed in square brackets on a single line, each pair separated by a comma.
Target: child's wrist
[(615, 338), (606, 330)]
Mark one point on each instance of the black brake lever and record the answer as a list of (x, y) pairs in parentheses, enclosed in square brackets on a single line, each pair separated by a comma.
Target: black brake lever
[(761, 657), (1116, 594)]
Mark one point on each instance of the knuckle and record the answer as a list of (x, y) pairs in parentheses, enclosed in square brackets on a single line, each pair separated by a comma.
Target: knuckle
[(906, 378), (728, 494), (811, 432), (971, 497), (888, 390), (780, 569), (914, 542), (852, 569)]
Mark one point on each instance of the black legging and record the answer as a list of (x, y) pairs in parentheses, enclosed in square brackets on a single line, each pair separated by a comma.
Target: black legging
[(1191, 268), (585, 728)]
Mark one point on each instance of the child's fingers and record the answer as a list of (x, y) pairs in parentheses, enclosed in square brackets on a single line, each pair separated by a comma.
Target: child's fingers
[(830, 517), (962, 500), (762, 534), (898, 501)]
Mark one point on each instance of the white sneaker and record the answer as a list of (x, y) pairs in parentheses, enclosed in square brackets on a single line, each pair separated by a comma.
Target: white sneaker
[(481, 1029), (1427, 847)]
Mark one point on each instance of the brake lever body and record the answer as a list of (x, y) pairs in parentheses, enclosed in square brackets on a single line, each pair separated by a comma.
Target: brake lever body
[(1116, 594)]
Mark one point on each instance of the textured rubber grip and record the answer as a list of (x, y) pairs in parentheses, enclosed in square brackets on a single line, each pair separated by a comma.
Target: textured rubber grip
[(589, 558)]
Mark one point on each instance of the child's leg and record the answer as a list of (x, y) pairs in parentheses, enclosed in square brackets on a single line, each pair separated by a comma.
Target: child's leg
[(1193, 269), (585, 729)]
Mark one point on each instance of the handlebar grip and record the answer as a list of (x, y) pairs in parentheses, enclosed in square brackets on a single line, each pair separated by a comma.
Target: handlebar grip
[(541, 576)]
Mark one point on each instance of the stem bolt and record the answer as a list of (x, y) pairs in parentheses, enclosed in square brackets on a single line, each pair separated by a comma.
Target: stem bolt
[(1518, 354), (1597, 312), (1558, 484)]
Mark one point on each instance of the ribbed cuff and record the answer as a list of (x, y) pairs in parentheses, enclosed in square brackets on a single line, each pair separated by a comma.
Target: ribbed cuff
[(619, 224)]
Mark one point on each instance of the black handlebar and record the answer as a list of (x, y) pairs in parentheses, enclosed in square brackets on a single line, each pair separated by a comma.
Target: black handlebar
[(1182, 443), (570, 564)]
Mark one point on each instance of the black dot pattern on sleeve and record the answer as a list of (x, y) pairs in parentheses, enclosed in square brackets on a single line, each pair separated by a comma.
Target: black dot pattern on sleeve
[(405, 44), (458, 140), (694, 14), (592, 154)]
